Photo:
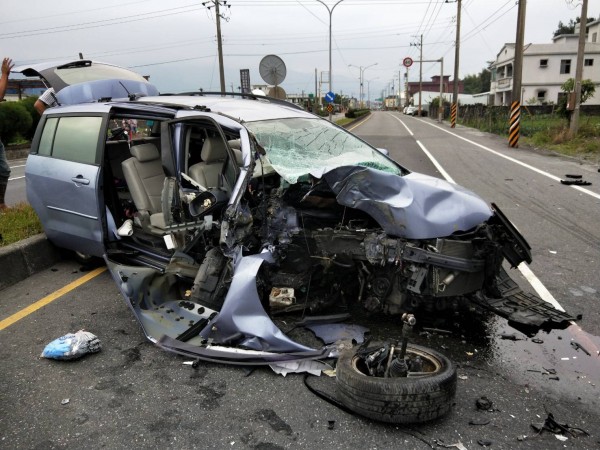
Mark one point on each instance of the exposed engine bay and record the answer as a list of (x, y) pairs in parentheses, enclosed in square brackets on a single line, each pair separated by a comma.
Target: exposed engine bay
[(294, 248)]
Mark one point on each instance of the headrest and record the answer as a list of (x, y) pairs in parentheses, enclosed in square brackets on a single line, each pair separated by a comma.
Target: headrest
[(145, 152), (235, 144), (213, 150)]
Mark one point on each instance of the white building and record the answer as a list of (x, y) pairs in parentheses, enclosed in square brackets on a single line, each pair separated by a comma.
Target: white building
[(545, 68)]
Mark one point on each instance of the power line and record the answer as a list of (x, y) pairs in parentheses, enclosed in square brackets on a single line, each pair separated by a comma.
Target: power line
[(98, 23)]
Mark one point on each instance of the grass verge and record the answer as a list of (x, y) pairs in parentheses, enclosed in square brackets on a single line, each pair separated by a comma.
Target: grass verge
[(547, 131), (17, 223)]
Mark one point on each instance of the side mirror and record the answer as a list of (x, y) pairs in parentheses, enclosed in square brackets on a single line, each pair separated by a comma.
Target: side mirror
[(384, 151), (208, 201)]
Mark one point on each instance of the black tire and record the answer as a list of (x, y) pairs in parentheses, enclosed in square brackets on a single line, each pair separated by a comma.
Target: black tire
[(413, 399), (209, 287)]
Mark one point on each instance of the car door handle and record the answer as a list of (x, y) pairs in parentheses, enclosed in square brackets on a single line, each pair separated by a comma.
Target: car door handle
[(80, 180)]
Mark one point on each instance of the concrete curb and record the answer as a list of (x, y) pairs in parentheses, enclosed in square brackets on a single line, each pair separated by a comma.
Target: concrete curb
[(24, 258)]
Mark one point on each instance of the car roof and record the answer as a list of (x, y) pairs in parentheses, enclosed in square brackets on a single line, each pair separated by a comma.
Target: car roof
[(242, 109), (247, 108)]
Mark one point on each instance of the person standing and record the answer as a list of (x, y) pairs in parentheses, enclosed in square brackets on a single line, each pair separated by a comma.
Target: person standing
[(7, 65), (45, 101)]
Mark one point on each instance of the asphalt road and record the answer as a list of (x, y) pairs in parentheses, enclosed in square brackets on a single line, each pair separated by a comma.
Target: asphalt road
[(132, 394), (15, 192)]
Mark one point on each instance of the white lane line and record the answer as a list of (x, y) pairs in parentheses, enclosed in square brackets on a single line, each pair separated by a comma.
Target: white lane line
[(16, 178), (14, 167), (516, 161), (403, 124), (535, 282), (435, 162)]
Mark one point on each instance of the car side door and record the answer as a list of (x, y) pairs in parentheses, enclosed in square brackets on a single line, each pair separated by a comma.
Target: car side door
[(64, 182)]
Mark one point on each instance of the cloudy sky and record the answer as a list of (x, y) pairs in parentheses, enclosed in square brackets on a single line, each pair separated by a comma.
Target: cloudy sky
[(175, 41)]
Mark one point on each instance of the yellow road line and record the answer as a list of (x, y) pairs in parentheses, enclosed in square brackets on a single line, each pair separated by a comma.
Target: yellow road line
[(50, 298), (360, 123)]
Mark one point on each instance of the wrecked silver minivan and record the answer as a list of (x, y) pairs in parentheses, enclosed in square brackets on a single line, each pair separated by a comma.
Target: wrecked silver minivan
[(213, 213), (220, 204)]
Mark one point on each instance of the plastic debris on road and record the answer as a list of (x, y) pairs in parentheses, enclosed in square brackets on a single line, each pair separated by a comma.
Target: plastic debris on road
[(72, 346)]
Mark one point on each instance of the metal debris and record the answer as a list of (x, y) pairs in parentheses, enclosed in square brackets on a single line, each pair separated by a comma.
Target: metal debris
[(551, 425), (483, 403), (575, 182), (479, 421), (577, 346)]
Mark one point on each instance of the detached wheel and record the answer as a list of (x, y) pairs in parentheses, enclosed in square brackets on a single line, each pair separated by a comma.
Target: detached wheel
[(418, 397)]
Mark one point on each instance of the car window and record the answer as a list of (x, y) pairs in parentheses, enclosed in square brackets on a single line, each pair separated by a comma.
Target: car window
[(45, 147), (75, 138)]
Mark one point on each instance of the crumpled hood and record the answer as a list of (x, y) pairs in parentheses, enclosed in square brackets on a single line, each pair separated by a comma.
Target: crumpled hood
[(414, 206)]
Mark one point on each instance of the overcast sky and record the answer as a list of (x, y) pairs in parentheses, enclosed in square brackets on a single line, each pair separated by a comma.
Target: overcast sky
[(175, 41)]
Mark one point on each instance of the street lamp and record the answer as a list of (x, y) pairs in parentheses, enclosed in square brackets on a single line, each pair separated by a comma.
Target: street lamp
[(361, 78), (369, 91), (330, 14)]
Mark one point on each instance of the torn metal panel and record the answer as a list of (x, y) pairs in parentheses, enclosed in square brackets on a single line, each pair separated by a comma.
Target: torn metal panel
[(413, 206), (243, 314), (521, 307), (237, 356)]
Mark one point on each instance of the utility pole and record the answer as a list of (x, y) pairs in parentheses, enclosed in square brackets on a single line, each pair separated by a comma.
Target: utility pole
[(420, 45), (406, 99), (441, 104), (456, 60), (574, 125), (330, 74), (515, 107), (216, 4)]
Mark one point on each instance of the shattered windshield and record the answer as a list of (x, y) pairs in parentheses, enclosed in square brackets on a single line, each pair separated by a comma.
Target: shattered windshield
[(297, 147)]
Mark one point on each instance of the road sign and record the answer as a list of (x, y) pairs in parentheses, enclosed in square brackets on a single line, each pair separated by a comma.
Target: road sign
[(330, 108), (330, 97), (407, 62)]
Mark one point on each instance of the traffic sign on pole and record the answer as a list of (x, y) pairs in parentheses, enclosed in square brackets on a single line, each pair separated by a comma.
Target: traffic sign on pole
[(330, 97), (407, 62)]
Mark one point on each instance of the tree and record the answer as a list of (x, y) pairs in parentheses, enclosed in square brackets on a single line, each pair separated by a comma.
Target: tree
[(570, 27), (588, 89), (478, 83), (14, 120)]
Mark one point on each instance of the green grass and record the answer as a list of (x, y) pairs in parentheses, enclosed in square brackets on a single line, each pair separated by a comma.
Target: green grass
[(17, 223), (549, 131), (552, 133), (344, 121)]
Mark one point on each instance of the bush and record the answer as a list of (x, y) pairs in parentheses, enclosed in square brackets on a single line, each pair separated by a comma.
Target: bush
[(15, 120), (28, 102), (355, 113)]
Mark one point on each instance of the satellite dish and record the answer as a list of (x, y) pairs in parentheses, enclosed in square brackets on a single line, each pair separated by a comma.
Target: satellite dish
[(272, 69), (277, 92)]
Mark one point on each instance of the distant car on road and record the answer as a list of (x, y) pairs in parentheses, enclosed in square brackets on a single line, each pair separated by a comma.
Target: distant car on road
[(411, 110)]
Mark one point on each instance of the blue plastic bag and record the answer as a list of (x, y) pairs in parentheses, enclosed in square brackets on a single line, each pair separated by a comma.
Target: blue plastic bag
[(72, 346)]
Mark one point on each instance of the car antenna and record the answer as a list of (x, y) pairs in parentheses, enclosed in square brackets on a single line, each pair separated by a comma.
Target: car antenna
[(129, 94)]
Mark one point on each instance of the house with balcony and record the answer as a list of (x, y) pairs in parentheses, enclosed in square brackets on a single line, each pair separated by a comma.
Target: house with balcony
[(545, 68)]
